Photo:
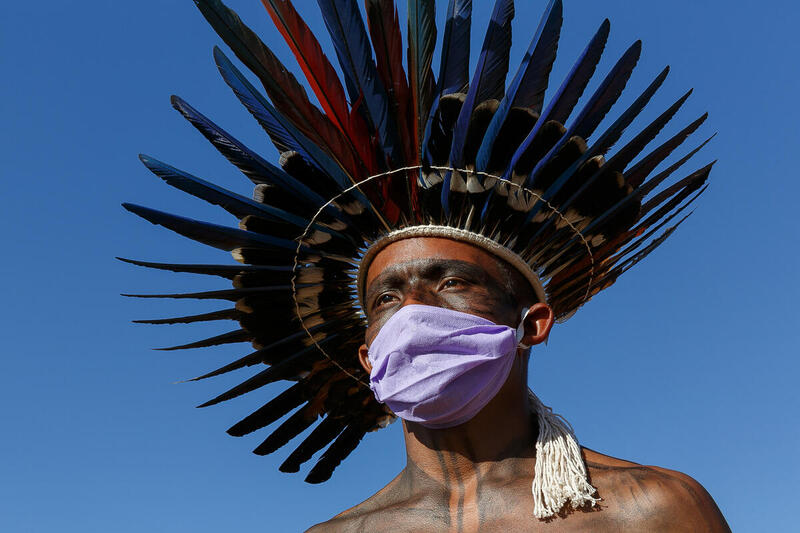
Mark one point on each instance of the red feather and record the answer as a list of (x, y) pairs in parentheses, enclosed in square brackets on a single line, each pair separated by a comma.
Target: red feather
[(387, 41), (282, 87), (322, 78)]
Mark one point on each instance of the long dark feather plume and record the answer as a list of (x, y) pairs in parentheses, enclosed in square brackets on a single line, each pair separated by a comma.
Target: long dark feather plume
[(286, 369), (686, 187), (285, 136), (421, 81), (225, 294), (289, 429), (255, 167), (454, 67), (344, 444), (610, 277), (221, 237), (609, 137), (607, 94), (251, 164), (568, 282), (224, 314), (604, 256), (567, 96), (318, 70), (591, 115), (289, 343), (236, 204), (367, 94), (634, 147), (225, 271), (610, 254), (678, 191), (272, 410), (231, 337), (615, 131), (326, 431), (575, 83), (636, 175), (312, 389), (560, 106), (488, 82), (322, 78), (387, 41), (280, 84), (654, 182), (530, 83), (643, 252), (695, 179), (655, 224)]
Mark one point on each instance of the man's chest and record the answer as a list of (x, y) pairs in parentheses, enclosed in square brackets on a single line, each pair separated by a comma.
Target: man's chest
[(502, 511)]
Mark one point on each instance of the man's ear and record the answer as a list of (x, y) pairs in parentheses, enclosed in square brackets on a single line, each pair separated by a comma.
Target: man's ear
[(537, 324), (363, 358)]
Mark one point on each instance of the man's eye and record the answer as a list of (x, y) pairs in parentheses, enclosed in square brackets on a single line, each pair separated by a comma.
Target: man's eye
[(451, 283), (384, 299)]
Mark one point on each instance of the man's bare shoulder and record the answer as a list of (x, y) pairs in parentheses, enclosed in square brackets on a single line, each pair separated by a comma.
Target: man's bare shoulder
[(656, 498), (384, 507), (633, 497)]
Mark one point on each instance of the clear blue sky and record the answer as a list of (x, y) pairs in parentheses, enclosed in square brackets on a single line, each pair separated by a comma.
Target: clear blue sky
[(689, 362)]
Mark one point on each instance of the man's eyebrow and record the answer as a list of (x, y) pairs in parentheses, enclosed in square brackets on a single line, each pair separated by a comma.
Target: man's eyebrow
[(427, 268)]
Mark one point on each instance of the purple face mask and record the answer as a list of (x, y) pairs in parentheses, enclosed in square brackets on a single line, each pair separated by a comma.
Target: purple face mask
[(439, 367)]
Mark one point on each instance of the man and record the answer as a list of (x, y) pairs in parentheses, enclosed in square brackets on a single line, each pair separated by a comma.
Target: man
[(457, 479), (443, 223)]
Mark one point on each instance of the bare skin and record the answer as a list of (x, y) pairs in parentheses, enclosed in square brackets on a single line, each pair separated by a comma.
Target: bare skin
[(458, 480)]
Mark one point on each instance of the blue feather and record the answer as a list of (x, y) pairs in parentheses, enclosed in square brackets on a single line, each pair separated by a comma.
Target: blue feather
[(488, 82), (426, 155), (236, 204), (651, 184), (530, 83), (611, 136), (636, 175), (454, 67), (590, 116), (221, 237), (569, 93), (562, 103), (607, 94), (346, 27), (282, 132), (615, 131), (626, 154), (250, 163), (421, 81), (571, 90)]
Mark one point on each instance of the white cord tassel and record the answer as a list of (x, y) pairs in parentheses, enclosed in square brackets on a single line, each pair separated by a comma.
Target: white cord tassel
[(560, 474)]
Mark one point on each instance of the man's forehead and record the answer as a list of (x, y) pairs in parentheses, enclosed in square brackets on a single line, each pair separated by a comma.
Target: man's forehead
[(416, 249)]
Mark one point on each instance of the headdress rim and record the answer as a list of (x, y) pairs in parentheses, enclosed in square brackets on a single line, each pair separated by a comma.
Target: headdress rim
[(452, 233)]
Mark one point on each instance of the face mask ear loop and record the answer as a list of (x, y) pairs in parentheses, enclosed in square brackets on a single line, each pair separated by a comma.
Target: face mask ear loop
[(521, 330)]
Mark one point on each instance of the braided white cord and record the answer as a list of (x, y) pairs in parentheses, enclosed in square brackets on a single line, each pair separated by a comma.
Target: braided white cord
[(560, 475)]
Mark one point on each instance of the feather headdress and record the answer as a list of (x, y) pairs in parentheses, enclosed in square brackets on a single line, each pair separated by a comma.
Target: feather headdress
[(392, 154)]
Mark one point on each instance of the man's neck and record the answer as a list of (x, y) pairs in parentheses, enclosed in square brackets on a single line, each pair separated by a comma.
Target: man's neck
[(485, 447)]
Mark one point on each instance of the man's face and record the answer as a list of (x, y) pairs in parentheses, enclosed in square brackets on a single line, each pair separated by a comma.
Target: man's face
[(437, 272)]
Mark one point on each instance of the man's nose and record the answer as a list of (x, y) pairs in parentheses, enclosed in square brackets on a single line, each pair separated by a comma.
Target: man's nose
[(421, 296)]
